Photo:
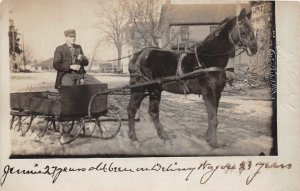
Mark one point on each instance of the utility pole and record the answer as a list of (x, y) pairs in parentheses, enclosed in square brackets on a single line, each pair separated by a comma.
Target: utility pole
[(24, 57), (14, 45), (12, 30)]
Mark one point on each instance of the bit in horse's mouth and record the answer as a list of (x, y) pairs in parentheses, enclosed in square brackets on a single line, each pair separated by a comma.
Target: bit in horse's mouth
[(249, 51)]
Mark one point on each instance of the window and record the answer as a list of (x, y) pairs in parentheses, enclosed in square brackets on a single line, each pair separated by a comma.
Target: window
[(136, 35), (185, 33)]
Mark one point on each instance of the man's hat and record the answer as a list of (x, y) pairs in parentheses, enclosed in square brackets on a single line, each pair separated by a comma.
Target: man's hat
[(70, 33)]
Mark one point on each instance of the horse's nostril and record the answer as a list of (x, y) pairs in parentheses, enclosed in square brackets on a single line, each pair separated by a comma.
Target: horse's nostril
[(255, 49)]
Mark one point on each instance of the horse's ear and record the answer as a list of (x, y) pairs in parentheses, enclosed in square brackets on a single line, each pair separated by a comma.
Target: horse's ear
[(249, 14), (242, 15)]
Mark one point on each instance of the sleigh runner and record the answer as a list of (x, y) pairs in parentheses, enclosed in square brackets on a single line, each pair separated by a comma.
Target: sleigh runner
[(65, 112)]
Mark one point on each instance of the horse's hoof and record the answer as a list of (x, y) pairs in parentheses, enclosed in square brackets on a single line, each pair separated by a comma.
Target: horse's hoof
[(62, 140), (37, 139), (213, 144), (132, 136), (163, 136), (167, 142), (133, 139), (262, 154)]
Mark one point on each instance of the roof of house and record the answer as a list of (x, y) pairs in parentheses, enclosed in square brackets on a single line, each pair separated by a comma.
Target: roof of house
[(178, 14)]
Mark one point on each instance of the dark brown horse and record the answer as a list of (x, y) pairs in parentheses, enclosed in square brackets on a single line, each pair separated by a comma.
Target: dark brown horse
[(214, 51)]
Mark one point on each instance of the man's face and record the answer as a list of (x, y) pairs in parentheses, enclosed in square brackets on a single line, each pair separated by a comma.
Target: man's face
[(71, 39)]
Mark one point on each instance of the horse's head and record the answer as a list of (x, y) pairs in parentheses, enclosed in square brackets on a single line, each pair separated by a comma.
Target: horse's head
[(242, 33)]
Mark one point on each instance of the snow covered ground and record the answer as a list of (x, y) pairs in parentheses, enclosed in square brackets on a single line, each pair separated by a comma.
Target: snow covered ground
[(244, 125)]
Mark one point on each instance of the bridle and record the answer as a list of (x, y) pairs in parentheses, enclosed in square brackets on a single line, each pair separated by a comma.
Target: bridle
[(244, 43)]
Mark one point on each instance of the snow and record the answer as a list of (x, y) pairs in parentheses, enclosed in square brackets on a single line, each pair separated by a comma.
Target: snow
[(244, 126)]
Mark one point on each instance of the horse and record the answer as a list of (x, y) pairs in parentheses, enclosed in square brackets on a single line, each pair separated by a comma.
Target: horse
[(214, 51)]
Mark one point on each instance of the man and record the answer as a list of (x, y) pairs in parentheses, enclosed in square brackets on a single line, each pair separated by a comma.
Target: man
[(69, 62)]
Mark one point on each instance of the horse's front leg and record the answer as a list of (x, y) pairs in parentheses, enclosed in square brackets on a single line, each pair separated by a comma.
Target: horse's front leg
[(154, 101), (211, 100), (135, 101)]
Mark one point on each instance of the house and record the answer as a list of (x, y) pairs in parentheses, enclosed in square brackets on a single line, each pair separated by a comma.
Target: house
[(106, 67), (142, 34), (139, 36), (46, 65), (110, 67), (181, 25)]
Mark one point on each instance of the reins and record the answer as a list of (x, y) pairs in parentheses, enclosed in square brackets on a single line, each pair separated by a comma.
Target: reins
[(243, 47), (195, 49), (216, 55)]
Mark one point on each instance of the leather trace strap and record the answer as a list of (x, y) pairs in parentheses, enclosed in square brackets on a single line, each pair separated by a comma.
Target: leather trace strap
[(198, 61)]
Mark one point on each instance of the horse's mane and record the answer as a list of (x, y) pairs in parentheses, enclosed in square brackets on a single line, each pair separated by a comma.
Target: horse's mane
[(223, 27), (224, 24)]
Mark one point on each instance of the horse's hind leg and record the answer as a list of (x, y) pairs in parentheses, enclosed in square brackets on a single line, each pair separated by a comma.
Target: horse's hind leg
[(135, 101), (154, 101)]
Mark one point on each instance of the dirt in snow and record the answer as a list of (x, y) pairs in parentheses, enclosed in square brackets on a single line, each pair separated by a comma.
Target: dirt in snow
[(244, 125)]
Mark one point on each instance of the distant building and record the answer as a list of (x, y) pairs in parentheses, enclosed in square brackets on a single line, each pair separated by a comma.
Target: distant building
[(137, 33), (182, 25), (106, 68), (94, 65), (46, 65), (136, 36), (110, 67)]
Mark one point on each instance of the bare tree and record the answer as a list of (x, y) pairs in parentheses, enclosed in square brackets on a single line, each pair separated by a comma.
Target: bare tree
[(144, 19), (15, 47), (113, 22), (27, 56), (94, 54)]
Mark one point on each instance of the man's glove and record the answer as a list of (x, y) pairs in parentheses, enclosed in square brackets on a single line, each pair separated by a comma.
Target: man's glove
[(75, 67), (80, 57)]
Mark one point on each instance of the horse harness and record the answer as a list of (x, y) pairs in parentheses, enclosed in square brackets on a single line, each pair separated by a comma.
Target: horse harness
[(183, 54)]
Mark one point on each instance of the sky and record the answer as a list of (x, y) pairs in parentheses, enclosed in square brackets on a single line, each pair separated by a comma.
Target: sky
[(43, 22)]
